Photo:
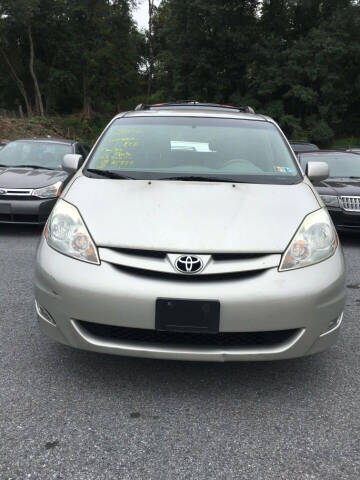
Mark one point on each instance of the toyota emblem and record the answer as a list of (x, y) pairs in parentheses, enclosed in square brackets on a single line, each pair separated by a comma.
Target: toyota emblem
[(2, 191), (189, 264)]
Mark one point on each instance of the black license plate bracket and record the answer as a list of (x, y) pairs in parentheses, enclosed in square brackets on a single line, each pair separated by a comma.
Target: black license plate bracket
[(193, 316)]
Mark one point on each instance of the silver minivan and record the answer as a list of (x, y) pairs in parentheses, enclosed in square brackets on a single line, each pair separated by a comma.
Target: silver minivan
[(191, 233)]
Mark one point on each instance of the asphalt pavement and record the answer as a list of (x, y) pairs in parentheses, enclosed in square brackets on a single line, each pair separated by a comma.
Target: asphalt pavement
[(71, 415)]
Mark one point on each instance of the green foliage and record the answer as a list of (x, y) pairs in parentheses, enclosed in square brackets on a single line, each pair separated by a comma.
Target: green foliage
[(87, 54), (85, 130), (321, 132), (297, 61), (346, 142)]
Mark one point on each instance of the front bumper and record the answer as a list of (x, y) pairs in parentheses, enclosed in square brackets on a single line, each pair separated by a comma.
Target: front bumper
[(33, 212), (345, 221), (307, 301)]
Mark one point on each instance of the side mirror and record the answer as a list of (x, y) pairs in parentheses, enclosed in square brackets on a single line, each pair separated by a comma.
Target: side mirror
[(317, 171), (72, 162)]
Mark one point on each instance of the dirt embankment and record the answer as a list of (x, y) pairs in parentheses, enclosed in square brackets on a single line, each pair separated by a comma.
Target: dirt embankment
[(14, 128), (70, 126)]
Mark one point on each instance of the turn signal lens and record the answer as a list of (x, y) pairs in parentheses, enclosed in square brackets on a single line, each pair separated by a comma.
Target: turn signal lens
[(315, 241), (65, 231)]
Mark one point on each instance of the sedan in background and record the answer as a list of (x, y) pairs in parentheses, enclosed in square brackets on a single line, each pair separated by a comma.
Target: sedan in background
[(341, 191), (31, 177), (299, 147)]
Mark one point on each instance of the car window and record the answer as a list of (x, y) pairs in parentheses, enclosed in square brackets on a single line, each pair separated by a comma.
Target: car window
[(141, 147), (303, 147), (340, 165), (36, 153)]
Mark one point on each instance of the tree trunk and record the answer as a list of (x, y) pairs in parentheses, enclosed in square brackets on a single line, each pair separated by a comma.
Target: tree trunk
[(151, 49), (19, 83), (86, 98), (38, 99)]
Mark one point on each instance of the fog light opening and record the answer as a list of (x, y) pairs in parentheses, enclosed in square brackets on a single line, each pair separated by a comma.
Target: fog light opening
[(44, 314), (333, 325)]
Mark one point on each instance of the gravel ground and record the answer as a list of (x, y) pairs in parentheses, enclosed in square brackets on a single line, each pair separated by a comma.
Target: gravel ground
[(68, 414)]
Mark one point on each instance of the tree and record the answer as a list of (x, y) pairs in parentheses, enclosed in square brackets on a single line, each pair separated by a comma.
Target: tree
[(297, 60), (204, 46), (150, 40), (18, 15)]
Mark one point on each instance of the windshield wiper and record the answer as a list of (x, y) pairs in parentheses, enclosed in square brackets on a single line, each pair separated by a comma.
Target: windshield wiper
[(108, 174), (30, 166), (197, 178), (351, 178)]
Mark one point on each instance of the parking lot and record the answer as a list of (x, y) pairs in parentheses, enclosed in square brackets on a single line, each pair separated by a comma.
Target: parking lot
[(69, 414)]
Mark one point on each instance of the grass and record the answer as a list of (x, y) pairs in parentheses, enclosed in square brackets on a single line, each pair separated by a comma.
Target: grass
[(346, 142)]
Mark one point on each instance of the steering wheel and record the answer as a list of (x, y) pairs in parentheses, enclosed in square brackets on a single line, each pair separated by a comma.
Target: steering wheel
[(232, 161)]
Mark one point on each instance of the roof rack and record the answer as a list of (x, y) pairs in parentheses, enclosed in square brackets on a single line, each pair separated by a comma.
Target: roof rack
[(193, 103)]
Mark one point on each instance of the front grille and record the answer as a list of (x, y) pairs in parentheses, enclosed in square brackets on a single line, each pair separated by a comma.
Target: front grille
[(16, 193), (18, 197), (237, 256), (350, 204), (215, 256), (10, 218), (222, 339), (141, 253), (180, 277)]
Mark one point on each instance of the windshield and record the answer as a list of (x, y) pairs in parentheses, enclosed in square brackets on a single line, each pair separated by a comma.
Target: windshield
[(341, 165), (34, 153), (201, 148), (303, 147)]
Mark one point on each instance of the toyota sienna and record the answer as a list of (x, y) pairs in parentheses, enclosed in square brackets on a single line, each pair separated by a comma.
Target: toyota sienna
[(191, 233)]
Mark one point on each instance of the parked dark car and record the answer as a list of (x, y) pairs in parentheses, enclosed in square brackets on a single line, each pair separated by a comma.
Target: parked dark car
[(299, 147), (31, 177), (341, 191)]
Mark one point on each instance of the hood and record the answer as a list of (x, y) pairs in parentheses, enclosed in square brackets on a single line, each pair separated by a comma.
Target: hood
[(197, 217), (12, 177), (340, 187)]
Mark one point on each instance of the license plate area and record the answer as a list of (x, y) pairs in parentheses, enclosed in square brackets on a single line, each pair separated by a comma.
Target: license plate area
[(193, 316)]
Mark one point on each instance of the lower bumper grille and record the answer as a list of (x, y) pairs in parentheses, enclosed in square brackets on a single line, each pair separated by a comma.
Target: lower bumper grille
[(11, 218), (222, 339)]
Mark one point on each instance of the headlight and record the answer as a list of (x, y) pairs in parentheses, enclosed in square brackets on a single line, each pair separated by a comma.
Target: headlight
[(330, 200), (51, 191), (66, 232), (315, 241)]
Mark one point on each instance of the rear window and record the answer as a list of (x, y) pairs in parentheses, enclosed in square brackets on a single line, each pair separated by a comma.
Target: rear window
[(239, 150), (34, 153), (341, 165), (303, 147)]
